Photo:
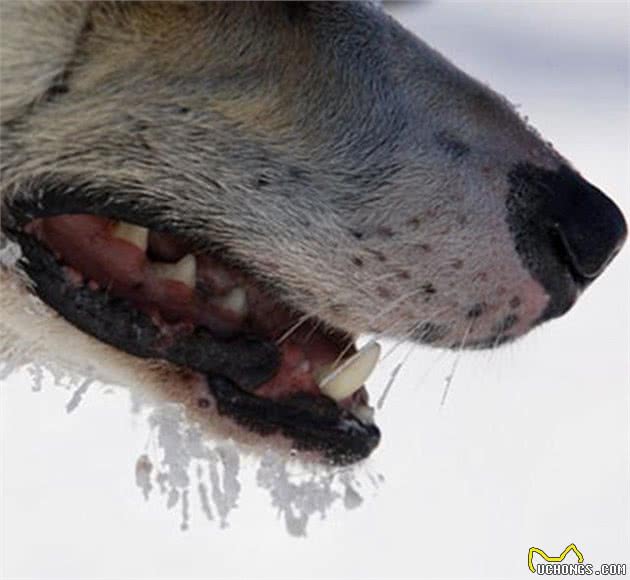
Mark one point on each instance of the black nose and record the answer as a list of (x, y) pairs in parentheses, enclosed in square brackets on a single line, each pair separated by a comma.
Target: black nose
[(565, 230), (589, 226)]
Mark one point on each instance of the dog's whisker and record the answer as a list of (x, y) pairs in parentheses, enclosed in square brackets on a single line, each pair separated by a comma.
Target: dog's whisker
[(393, 305), (394, 376), (293, 328), (343, 353), (382, 313), (458, 356), (436, 360), (313, 330), (395, 346), (496, 341), (404, 337), (303, 319)]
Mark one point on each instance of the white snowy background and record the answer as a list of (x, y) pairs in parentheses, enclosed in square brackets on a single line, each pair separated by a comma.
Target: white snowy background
[(531, 447)]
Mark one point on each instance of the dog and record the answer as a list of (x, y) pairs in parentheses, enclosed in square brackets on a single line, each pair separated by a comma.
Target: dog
[(222, 197)]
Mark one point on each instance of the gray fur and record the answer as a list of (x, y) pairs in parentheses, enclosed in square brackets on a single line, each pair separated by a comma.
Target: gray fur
[(324, 147)]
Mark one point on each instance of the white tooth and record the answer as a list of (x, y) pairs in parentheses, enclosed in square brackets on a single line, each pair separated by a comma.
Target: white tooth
[(183, 271), (353, 372), (365, 414), (133, 234), (235, 300)]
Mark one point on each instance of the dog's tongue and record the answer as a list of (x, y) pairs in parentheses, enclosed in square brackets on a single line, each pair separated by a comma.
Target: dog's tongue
[(198, 304)]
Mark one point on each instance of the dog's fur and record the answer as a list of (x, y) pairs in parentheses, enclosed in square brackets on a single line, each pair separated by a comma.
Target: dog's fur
[(284, 134), (322, 147)]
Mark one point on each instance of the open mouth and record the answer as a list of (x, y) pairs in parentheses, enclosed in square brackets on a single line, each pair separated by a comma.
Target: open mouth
[(151, 292)]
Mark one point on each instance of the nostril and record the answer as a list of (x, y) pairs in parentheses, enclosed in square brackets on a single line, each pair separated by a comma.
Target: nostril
[(568, 257), (589, 229)]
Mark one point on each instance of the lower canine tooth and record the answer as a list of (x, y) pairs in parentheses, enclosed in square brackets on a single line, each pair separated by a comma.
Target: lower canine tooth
[(136, 235), (235, 300), (353, 372), (365, 414), (183, 271)]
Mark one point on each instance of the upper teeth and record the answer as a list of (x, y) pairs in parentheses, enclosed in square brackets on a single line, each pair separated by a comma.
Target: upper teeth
[(235, 300), (183, 271), (353, 372), (136, 235)]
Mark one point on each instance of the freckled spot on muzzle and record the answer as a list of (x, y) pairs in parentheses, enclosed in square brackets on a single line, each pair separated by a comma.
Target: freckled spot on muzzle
[(476, 310), (414, 222), (380, 256), (262, 181), (385, 232), (384, 292)]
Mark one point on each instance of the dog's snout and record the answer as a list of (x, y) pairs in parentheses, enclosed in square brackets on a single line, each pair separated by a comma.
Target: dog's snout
[(566, 231), (589, 227)]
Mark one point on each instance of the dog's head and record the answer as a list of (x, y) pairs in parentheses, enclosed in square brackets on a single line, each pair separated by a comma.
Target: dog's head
[(241, 189)]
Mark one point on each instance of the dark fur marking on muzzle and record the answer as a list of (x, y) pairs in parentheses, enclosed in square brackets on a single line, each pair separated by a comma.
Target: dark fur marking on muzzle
[(476, 311)]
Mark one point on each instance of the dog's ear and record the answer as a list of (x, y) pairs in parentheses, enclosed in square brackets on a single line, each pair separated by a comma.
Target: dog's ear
[(38, 42)]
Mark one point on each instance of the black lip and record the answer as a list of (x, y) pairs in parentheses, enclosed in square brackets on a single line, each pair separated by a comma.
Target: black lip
[(313, 423), (116, 322)]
